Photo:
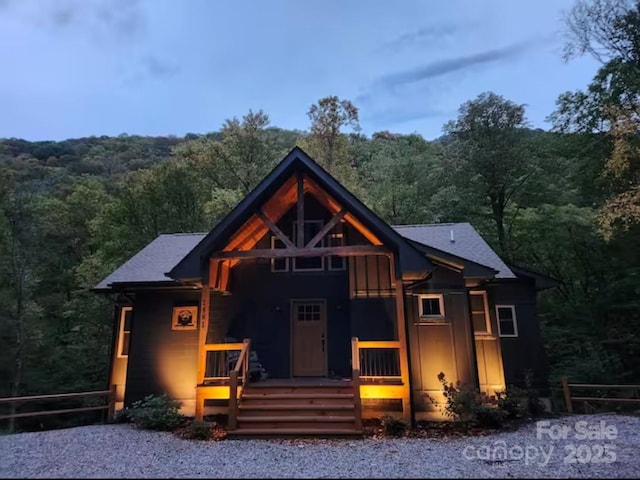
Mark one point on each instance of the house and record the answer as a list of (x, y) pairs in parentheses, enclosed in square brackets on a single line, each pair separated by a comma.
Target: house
[(303, 311)]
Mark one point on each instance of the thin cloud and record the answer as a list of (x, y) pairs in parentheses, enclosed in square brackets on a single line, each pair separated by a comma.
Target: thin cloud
[(159, 68), (394, 116), (443, 67), (430, 33)]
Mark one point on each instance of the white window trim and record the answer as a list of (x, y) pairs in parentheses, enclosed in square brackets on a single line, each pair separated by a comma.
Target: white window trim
[(123, 310), (514, 319), (273, 260), (343, 259), (487, 317), (430, 318), (321, 267)]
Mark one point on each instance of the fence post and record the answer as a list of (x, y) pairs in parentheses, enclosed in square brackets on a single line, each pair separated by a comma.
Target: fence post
[(112, 403), (567, 394)]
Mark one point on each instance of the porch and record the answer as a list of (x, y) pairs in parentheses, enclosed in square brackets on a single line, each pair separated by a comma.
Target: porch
[(302, 405)]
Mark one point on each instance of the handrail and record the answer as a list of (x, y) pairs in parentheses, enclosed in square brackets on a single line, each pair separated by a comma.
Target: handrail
[(566, 390), (379, 344), (355, 379), (242, 365), (213, 347), (109, 407)]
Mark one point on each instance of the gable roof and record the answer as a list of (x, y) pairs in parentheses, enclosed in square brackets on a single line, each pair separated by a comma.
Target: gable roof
[(467, 243), (191, 266), (150, 264)]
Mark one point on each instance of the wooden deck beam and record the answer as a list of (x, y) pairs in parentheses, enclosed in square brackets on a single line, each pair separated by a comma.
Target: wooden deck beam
[(344, 251), (326, 229)]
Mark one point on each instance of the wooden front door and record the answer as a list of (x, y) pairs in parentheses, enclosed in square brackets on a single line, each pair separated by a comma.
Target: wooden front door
[(309, 338)]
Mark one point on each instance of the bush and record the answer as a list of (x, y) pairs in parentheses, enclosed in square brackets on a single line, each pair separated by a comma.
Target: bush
[(489, 417), (513, 401), (460, 400), (122, 416), (394, 427), (198, 430), (156, 413)]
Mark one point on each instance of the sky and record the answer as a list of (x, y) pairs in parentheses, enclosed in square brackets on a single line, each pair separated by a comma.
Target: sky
[(75, 68)]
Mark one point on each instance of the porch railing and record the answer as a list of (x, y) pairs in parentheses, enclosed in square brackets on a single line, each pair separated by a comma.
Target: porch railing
[(240, 373), (220, 360), (379, 360)]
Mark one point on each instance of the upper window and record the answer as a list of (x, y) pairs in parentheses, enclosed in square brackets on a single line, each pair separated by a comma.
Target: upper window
[(507, 324), (480, 313), (279, 264), (311, 228), (126, 315), (431, 307), (335, 262)]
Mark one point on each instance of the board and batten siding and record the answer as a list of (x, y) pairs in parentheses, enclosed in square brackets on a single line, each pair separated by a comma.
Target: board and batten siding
[(524, 353), (439, 347), (162, 360)]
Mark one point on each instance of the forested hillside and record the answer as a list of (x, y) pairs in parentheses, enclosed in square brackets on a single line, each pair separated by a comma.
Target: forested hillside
[(563, 202)]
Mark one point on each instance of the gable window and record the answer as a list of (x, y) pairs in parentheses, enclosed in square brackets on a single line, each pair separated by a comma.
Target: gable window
[(480, 313), (311, 228), (278, 264), (335, 262), (507, 325), (124, 332), (431, 308)]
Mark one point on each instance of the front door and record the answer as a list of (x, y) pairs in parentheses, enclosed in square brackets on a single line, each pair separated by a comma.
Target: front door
[(309, 338)]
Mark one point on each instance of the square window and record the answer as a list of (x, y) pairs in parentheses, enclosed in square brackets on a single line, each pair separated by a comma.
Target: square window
[(507, 324), (480, 313), (431, 308), (278, 264)]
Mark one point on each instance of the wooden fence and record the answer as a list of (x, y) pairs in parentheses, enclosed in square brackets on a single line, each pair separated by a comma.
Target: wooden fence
[(569, 399), (109, 406)]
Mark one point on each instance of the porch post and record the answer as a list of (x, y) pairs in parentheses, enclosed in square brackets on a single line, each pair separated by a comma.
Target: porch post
[(402, 338), (202, 353)]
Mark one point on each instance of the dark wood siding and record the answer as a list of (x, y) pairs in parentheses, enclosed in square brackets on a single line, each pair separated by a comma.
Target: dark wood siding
[(161, 360), (439, 347), (526, 351)]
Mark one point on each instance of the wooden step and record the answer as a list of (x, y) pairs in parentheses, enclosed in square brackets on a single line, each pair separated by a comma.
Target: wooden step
[(246, 433), (275, 389), (262, 409), (296, 418), (248, 395)]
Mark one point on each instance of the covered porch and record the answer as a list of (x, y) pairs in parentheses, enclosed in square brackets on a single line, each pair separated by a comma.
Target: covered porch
[(302, 323)]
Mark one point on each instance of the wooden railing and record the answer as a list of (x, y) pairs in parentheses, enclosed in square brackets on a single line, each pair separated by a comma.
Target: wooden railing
[(379, 360), (569, 399), (240, 372), (109, 406), (355, 379), (219, 360)]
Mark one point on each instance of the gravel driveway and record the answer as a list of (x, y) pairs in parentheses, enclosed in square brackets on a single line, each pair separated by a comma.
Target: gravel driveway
[(601, 446)]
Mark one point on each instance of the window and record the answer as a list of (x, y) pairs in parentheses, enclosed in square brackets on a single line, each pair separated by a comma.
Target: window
[(278, 264), (311, 228), (126, 314), (480, 313), (431, 308), (507, 325), (336, 263)]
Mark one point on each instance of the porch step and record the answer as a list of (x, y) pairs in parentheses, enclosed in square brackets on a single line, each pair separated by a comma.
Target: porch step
[(296, 410), (318, 409), (248, 433)]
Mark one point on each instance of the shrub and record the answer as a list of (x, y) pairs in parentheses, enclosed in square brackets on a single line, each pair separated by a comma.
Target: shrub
[(513, 401), (198, 430), (460, 400), (122, 416), (489, 417), (394, 427), (156, 413)]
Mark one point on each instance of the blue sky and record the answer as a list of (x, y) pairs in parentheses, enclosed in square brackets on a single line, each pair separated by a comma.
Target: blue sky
[(75, 68)]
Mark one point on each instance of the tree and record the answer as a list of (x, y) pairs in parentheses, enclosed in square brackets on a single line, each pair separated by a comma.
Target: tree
[(609, 31), (487, 156), (328, 117)]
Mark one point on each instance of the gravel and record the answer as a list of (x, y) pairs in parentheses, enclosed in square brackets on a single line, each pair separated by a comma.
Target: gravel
[(122, 451)]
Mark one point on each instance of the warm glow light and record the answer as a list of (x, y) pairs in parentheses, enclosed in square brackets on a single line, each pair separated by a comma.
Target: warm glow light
[(177, 375)]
